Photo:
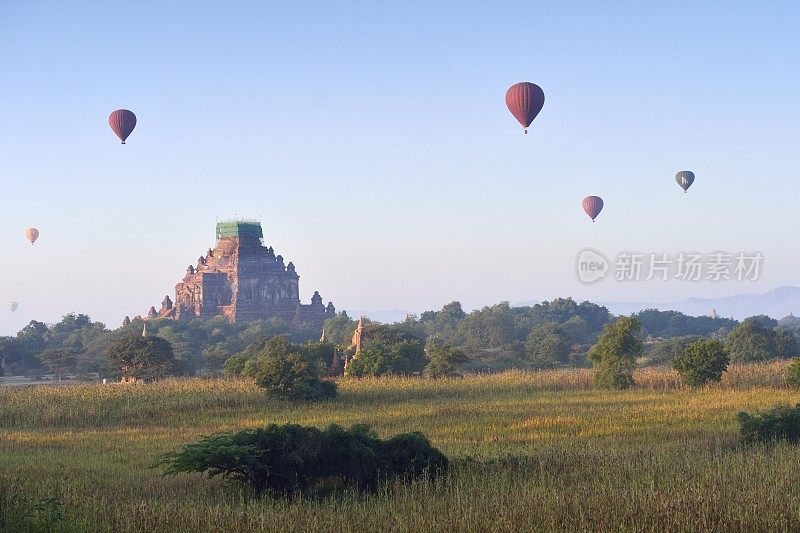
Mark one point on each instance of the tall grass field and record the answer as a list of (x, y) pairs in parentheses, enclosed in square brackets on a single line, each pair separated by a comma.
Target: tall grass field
[(539, 451)]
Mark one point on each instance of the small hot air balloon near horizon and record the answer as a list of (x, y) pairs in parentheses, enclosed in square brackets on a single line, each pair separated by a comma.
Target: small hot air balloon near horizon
[(525, 100), (685, 178), (593, 205), (122, 122), (32, 234), (13, 306)]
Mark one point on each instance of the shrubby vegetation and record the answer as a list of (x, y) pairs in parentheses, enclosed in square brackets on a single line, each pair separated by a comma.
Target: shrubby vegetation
[(669, 324), (547, 346), (615, 353), (292, 459), (377, 358), (284, 370), (703, 361), (552, 334), (754, 341), (200, 347), (663, 351), (781, 423), (444, 361), (500, 336), (146, 358)]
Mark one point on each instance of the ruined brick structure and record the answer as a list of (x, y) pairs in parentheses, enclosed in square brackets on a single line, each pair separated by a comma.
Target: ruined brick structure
[(242, 280)]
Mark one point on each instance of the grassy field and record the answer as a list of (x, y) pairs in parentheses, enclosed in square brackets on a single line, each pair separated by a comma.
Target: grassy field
[(530, 451)]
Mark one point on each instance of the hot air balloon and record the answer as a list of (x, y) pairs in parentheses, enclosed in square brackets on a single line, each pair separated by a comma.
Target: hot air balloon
[(525, 100), (593, 205), (32, 234), (13, 306), (122, 122), (685, 178)]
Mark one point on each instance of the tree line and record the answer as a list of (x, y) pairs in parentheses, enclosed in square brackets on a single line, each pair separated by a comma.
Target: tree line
[(551, 334)]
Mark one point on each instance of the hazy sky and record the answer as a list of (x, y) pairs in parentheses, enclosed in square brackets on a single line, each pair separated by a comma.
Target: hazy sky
[(373, 141)]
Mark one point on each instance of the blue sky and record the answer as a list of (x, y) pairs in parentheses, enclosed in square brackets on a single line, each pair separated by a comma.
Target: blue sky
[(373, 141)]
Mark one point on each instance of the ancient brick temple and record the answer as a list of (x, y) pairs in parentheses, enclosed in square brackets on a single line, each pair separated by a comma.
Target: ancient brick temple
[(242, 280)]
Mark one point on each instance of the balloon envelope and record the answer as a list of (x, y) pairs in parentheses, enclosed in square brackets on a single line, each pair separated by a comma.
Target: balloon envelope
[(13, 306), (685, 178), (32, 234), (593, 205), (525, 100), (122, 122)]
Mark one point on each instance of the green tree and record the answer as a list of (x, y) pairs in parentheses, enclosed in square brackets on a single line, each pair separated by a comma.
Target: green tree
[(703, 361), (664, 351), (442, 326), (323, 352), (667, 324), (30, 341), (444, 361), (70, 323), (142, 357), (765, 321), (339, 329), (786, 345), (615, 352), (751, 342), (287, 371), (547, 346), (490, 327), (9, 353), (376, 358), (59, 361)]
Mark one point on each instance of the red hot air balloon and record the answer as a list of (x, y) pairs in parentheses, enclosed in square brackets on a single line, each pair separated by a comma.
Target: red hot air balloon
[(525, 100), (122, 122), (593, 205)]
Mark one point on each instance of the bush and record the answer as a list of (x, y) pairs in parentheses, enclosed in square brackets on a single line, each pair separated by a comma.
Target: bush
[(147, 358), (444, 361), (751, 342), (786, 343), (291, 459), (615, 352), (663, 351), (377, 358), (614, 374), (547, 347), (779, 423), (793, 374), (284, 370), (701, 362), (292, 377)]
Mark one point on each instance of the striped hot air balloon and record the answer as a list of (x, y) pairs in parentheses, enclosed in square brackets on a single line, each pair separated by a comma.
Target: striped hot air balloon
[(122, 122), (13, 306), (32, 234), (525, 100), (593, 205), (685, 178)]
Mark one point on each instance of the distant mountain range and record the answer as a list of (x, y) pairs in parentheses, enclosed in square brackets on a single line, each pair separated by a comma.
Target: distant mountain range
[(777, 303)]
